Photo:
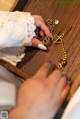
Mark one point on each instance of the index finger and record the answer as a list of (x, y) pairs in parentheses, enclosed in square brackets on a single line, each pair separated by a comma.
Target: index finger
[(44, 71), (44, 28)]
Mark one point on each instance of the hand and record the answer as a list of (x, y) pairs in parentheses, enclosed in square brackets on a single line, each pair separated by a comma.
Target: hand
[(41, 96), (39, 22)]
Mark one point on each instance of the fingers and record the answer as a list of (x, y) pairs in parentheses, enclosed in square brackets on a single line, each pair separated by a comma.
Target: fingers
[(44, 71), (57, 80), (54, 78), (62, 83), (38, 17), (41, 33), (39, 22), (43, 27), (65, 92), (39, 44)]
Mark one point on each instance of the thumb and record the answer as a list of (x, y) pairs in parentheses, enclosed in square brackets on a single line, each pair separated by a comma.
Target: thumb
[(38, 44)]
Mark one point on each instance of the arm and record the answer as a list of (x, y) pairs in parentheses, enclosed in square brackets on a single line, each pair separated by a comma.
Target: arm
[(18, 29)]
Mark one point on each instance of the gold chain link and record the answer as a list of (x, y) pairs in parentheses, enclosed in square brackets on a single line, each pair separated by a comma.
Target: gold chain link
[(57, 39)]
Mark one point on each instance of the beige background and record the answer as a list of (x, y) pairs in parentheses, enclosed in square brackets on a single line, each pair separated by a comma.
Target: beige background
[(7, 4)]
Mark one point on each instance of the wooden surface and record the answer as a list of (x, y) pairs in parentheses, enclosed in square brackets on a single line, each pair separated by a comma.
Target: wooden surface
[(67, 15), (15, 70)]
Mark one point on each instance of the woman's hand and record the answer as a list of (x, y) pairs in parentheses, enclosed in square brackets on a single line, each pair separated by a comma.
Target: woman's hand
[(41, 96), (39, 22)]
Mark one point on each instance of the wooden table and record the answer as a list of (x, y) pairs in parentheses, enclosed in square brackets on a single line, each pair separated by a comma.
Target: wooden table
[(67, 14)]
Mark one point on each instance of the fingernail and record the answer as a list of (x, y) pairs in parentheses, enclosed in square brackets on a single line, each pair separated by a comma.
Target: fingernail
[(42, 47)]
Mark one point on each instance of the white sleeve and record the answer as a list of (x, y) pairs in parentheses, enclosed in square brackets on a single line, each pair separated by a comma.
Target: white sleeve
[(9, 84), (16, 29)]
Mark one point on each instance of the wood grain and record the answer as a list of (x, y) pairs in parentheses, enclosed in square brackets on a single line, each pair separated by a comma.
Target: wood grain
[(15, 70), (67, 14)]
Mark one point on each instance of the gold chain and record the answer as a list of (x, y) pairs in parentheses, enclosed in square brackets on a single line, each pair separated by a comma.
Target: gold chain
[(57, 39)]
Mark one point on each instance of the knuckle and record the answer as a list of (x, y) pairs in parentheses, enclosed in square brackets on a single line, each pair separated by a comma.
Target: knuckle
[(40, 17), (47, 65), (57, 71), (47, 88)]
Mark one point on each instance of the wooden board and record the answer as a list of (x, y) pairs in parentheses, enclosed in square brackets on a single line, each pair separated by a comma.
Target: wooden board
[(14, 70), (7, 5), (67, 14)]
